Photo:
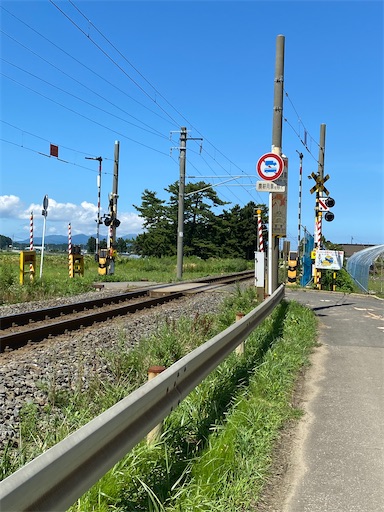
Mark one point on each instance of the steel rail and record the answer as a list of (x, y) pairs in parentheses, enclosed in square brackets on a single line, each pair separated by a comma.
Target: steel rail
[(34, 334), (53, 312), (24, 318), (57, 478)]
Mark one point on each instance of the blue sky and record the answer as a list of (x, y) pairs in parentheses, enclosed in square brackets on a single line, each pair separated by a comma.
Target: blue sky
[(84, 74)]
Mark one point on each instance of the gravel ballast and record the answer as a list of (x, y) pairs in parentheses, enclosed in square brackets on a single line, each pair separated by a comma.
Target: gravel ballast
[(69, 361)]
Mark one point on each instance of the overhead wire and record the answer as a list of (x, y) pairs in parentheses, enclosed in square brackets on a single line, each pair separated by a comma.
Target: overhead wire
[(31, 28), (136, 70), (83, 65), (48, 156), (143, 90), (83, 116), (158, 134), (306, 132), (111, 59), (49, 141)]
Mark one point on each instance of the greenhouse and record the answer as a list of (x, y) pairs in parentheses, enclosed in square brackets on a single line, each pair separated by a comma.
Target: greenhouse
[(360, 263)]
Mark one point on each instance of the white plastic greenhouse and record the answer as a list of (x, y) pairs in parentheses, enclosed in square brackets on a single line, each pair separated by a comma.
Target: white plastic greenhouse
[(359, 264)]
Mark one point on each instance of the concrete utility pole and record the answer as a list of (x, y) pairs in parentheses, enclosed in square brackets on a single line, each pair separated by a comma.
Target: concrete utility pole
[(321, 152), (113, 222), (318, 213), (180, 217), (277, 128)]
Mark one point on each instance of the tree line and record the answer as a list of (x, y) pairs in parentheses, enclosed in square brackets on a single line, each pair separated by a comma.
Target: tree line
[(229, 234)]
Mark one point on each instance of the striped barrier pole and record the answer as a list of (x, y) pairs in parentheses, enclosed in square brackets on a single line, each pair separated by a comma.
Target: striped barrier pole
[(31, 232), (319, 231), (260, 231), (31, 266), (70, 265)]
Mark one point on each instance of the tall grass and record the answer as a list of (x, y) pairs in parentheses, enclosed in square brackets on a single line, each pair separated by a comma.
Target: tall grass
[(56, 282), (215, 449)]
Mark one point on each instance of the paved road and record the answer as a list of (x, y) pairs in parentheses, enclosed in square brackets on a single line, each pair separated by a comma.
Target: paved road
[(337, 464)]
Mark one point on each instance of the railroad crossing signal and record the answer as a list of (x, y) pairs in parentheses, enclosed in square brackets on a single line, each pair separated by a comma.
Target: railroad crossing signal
[(325, 203), (319, 187)]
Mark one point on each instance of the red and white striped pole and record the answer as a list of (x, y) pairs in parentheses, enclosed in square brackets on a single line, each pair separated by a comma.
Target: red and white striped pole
[(318, 232), (31, 266), (260, 231), (70, 269), (31, 232)]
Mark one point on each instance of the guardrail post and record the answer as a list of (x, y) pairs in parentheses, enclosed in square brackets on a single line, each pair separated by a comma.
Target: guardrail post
[(155, 433), (240, 348)]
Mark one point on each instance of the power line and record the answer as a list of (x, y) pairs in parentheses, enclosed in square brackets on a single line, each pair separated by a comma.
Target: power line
[(49, 141), (153, 130), (137, 71), (306, 132), (85, 117), (48, 156), (112, 60), (141, 88), (156, 132), (83, 65)]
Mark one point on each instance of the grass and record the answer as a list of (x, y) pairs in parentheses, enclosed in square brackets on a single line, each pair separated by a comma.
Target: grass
[(56, 282), (216, 447), (215, 450)]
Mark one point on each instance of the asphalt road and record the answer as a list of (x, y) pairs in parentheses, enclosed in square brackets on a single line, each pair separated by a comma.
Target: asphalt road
[(337, 462)]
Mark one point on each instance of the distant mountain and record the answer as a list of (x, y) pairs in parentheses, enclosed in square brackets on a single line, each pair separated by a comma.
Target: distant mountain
[(76, 239)]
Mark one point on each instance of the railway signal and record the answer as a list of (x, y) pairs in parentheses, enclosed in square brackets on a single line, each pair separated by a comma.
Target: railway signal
[(324, 204)]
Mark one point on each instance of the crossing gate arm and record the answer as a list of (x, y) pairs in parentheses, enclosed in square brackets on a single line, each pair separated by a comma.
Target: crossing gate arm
[(61, 475)]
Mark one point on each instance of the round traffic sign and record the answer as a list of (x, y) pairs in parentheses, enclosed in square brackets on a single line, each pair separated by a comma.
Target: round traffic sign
[(270, 166)]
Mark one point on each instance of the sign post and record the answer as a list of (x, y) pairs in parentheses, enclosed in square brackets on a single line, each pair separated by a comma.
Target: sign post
[(44, 213)]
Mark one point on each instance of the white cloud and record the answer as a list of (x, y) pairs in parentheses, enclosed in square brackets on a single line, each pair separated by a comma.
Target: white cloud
[(81, 217), (8, 206)]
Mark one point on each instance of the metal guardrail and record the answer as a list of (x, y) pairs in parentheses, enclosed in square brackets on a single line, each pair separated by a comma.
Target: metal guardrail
[(58, 477)]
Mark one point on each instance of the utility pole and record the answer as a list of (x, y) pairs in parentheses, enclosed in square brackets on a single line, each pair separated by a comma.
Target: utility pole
[(98, 221), (115, 224), (318, 212), (44, 213), (277, 127), (180, 215), (113, 220), (301, 156)]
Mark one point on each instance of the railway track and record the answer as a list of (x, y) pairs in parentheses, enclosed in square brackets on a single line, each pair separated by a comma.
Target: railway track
[(30, 327)]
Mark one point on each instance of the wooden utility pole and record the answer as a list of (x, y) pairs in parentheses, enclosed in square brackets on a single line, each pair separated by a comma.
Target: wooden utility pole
[(277, 128)]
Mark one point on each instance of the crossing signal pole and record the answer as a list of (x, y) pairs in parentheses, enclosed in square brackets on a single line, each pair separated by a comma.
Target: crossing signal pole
[(98, 221)]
